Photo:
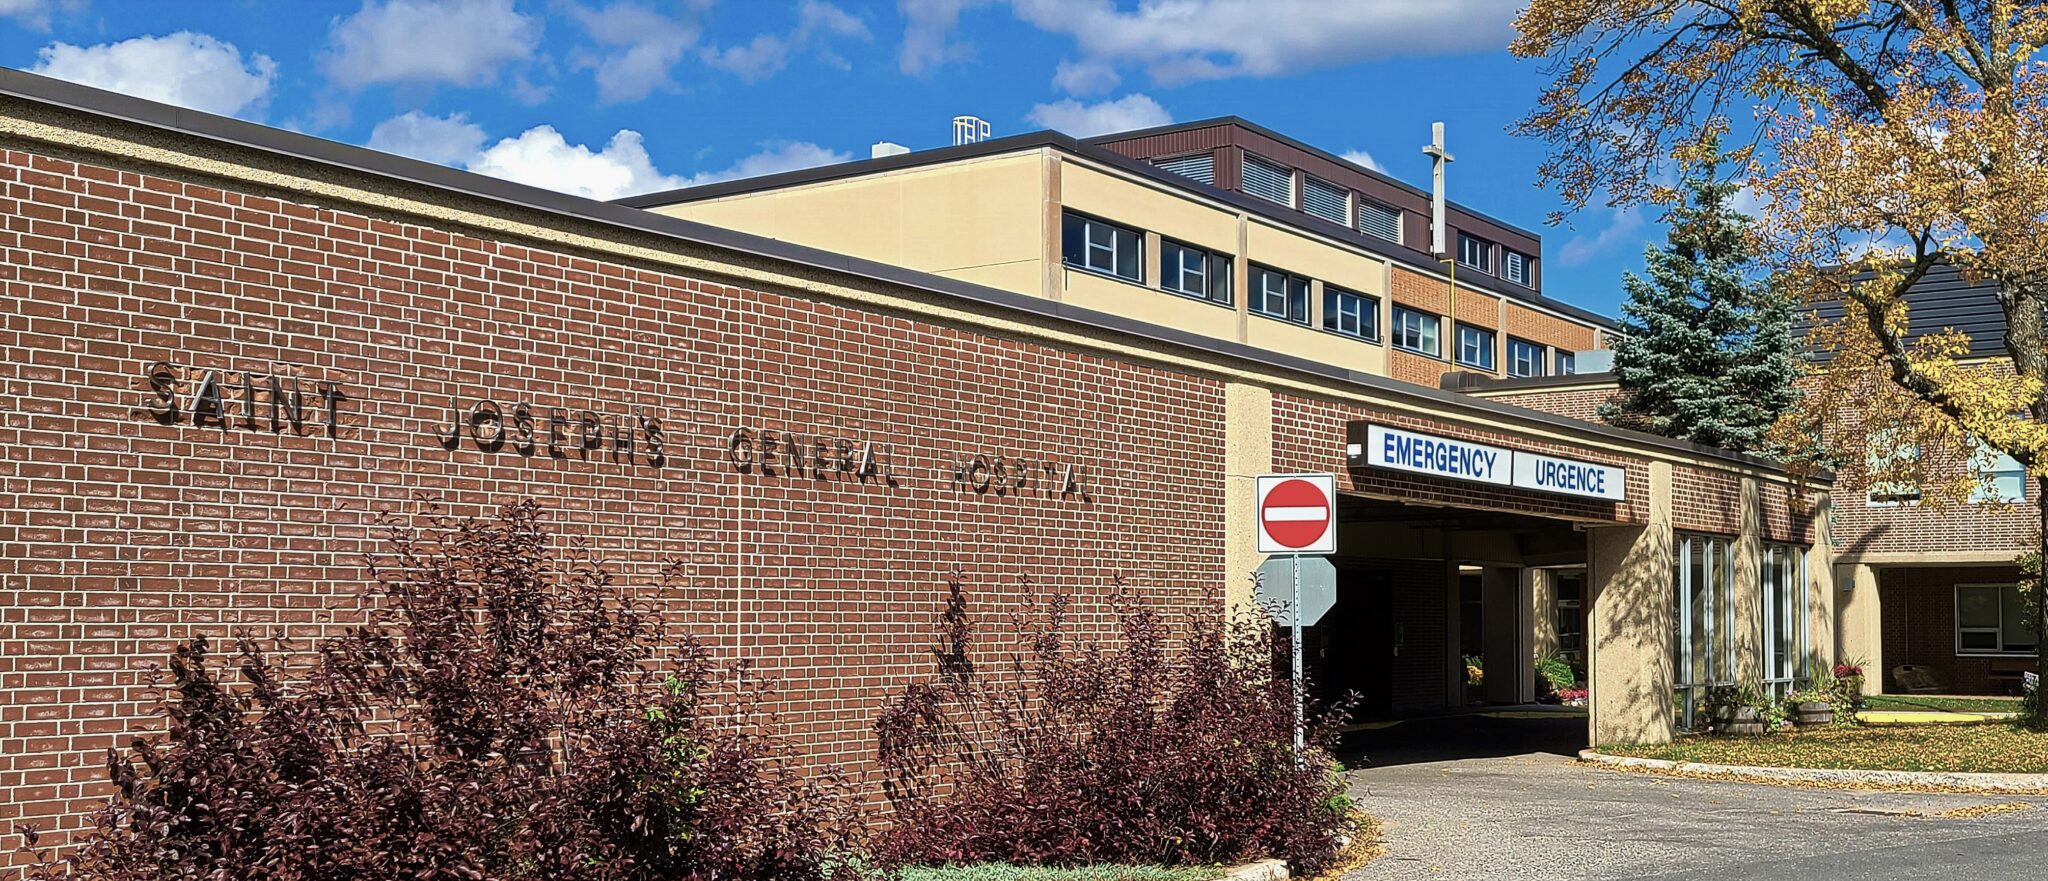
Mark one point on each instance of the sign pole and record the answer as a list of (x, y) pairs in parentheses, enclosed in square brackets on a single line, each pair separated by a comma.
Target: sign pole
[(1299, 735)]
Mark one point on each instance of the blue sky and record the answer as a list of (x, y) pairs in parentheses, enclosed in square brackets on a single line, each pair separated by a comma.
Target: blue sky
[(611, 97)]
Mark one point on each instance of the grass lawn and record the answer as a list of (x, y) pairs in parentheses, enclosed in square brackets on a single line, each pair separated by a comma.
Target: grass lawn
[(1935, 702), (1002, 872), (1968, 748)]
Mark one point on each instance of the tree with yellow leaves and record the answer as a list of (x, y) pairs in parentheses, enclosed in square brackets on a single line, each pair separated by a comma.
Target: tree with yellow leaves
[(1883, 139)]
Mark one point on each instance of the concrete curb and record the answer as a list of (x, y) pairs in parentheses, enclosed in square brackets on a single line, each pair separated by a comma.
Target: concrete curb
[(2031, 784), (1263, 870)]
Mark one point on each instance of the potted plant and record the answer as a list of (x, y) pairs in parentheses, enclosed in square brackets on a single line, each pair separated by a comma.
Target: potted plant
[(1812, 707), (1572, 697), (1848, 683)]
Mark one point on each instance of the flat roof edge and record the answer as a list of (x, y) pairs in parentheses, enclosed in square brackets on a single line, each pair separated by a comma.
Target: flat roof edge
[(34, 89)]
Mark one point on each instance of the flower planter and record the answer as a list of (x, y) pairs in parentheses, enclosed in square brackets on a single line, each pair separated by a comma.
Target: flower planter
[(1744, 721), (1813, 713)]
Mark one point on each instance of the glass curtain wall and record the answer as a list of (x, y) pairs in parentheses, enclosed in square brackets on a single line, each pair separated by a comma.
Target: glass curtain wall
[(1703, 644), (1785, 620)]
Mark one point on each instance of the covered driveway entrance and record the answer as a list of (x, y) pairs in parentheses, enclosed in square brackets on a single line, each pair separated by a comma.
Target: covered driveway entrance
[(1423, 590)]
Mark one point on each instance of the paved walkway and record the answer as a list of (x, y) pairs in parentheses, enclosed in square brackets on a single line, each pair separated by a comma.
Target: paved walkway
[(1534, 815)]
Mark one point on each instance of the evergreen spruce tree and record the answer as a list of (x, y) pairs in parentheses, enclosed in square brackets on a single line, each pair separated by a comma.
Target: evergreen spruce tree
[(1708, 353)]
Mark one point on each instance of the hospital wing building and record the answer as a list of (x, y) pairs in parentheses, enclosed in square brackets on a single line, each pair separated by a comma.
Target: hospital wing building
[(229, 349)]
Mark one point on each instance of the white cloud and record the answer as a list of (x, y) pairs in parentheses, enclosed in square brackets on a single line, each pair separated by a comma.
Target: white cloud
[(1178, 41), (33, 14), (774, 158), (444, 139), (1085, 77), (1101, 118), (184, 68), (1622, 225), (928, 27), (463, 42), (641, 45), (767, 54), (1360, 157), (540, 156)]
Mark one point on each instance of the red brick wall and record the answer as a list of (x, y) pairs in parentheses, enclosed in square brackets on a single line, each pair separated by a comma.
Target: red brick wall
[(1706, 501), (120, 535), (1919, 606), (1582, 404), (1787, 514)]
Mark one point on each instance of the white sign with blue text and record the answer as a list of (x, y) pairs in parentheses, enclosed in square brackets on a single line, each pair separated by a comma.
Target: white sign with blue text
[(1401, 450)]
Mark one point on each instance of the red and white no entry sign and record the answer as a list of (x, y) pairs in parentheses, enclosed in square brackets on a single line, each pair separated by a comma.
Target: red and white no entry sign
[(1297, 513)]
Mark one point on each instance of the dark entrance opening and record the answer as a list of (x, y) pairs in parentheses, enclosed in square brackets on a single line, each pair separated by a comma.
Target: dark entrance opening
[(1433, 638)]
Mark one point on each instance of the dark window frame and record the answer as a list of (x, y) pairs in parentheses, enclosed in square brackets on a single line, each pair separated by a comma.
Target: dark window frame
[(1399, 330), (1256, 293), (1458, 329), (1088, 247), (1484, 262), (1540, 360), (1217, 271), (1368, 312)]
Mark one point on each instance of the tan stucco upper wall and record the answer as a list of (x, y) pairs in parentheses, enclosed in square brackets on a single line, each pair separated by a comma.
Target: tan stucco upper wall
[(978, 221), (1293, 252), (1149, 304), (1147, 207), (1308, 342)]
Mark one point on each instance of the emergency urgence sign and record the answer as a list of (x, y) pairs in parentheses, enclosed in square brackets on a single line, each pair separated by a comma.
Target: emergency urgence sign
[(1297, 513)]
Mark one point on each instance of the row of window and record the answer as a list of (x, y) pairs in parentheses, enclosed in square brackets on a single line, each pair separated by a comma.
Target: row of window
[(1274, 182), (1099, 246), (2000, 478), (1477, 253), (1103, 247), (1417, 331)]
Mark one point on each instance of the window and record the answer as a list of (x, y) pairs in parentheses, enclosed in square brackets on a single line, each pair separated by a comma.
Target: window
[(1891, 461), (1417, 331), (1379, 220), (1326, 200), (1476, 253), (1785, 601), (1200, 166), (1268, 180), (1184, 269), (1524, 358), (1351, 313), (1999, 476), (1102, 247), (1278, 294), (1567, 362), (1475, 347), (1991, 619), (1703, 644), (1514, 266)]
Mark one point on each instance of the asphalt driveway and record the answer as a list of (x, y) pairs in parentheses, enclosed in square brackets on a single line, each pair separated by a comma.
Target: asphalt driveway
[(1521, 810)]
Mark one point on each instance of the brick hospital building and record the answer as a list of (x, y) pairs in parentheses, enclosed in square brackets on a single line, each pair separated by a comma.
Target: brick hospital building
[(226, 349)]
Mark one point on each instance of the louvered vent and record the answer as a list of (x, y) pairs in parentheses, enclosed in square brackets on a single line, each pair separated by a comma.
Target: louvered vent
[(1200, 166), (1375, 219), (1326, 200), (1268, 180)]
